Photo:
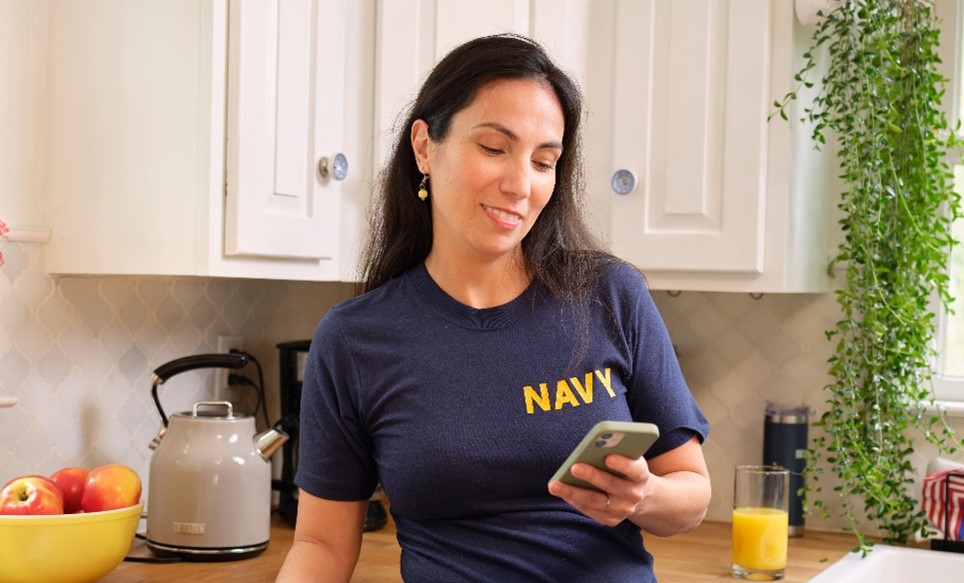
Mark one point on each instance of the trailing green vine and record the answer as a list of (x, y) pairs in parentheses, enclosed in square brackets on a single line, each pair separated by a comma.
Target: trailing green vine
[(880, 98)]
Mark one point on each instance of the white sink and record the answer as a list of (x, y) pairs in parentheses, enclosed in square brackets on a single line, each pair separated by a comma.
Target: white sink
[(889, 564)]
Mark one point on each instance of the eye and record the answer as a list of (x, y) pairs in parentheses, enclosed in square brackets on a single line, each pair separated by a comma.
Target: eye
[(488, 150), (544, 166)]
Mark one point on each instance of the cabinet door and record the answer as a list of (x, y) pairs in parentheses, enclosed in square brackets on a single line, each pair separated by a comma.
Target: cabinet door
[(285, 109), (413, 35), (690, 122)]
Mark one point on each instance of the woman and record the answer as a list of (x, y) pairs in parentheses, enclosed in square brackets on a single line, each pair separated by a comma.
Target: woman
[(491, 336)]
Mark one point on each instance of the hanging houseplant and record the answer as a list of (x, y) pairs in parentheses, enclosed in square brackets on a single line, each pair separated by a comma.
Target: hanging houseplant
[(880, 98)]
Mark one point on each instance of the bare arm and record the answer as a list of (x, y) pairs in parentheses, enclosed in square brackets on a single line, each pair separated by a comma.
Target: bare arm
[(666, 496), (327, 541)]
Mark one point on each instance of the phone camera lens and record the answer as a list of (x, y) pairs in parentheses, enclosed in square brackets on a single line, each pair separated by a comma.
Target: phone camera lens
[(600, 443), (606, 436)]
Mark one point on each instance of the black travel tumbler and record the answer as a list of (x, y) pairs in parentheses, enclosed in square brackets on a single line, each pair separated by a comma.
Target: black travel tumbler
[(785, 444)]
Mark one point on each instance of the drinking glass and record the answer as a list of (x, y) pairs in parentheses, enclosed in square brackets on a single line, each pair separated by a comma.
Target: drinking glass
[(760, 522)]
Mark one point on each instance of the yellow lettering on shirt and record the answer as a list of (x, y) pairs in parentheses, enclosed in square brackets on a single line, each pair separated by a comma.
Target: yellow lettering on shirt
[(572, 393), (533, 398), (565, 395), (584, 392), (606, 381)]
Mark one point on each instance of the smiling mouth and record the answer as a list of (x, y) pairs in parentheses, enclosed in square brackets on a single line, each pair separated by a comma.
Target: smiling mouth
[(503, 215)]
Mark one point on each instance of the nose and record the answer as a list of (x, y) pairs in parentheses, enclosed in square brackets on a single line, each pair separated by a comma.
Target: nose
[(517, 178)]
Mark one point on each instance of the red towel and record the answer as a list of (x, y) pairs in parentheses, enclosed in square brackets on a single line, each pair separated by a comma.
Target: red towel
[(934, 503)]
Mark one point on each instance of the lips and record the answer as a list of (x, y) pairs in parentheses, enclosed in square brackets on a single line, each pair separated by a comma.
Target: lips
[(505, 217)]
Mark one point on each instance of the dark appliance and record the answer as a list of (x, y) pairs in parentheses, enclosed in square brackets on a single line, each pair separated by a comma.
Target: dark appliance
[(292, 358), (785, 444), (292, 367)]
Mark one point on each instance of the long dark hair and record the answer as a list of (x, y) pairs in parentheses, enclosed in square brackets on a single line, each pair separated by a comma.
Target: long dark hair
[(560, 251)]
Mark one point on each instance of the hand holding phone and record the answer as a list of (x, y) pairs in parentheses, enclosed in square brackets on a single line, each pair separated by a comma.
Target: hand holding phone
[(629, 439)]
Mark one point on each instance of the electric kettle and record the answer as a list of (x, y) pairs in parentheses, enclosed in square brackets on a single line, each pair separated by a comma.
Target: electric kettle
[(209, 495)]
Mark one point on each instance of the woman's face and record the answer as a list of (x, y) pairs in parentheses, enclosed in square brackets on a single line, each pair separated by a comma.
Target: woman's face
[(494, 172)]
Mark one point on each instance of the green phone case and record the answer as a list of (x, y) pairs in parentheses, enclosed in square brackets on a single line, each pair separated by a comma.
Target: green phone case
[(598, 443)]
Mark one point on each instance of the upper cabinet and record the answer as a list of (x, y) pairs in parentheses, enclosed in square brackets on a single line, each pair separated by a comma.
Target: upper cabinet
[(241, 138), (712, 194), (706, 192), (285, 97), (208, 138), (23, 40), (413, 35)]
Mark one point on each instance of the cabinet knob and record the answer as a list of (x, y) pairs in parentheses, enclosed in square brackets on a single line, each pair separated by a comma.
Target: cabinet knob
[(336, 166), (623, 181)]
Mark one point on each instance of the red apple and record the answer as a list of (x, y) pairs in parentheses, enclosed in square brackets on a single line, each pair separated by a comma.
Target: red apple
[(72, 481), (31, 495), (111, 487)]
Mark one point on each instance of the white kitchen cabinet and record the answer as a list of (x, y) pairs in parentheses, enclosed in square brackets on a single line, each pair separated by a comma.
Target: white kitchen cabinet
[(23, 38), (413, 35), (185, 136), (724, 200)]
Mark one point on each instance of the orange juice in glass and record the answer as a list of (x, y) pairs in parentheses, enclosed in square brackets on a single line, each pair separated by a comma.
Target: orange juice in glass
[(760, 538), (760, 522)]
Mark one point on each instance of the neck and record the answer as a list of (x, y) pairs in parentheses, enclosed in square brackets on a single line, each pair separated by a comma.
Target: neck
[(480, 285)]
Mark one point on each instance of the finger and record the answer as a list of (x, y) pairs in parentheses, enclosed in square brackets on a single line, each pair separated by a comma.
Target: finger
[(584, 499), (592, 503), (580, 497), (634, 470), (600, 479), (627, 491)]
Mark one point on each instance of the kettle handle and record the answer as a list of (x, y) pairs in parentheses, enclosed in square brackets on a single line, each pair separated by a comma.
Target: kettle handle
[(185, 363)]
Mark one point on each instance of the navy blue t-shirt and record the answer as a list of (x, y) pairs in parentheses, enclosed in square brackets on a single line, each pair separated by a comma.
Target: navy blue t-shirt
[(464, 414)]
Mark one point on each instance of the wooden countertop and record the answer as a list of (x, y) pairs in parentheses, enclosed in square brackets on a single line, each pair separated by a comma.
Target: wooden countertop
[(704, 554), (696, 557), (378, 562)]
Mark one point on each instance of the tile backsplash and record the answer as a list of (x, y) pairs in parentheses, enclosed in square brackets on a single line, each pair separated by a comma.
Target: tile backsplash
[(78, 353), (738, 353)]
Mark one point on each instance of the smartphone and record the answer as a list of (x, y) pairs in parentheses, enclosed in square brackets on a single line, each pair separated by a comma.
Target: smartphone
[(626, 438)]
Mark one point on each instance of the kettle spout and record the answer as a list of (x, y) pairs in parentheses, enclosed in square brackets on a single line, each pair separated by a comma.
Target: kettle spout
[(267, 442)]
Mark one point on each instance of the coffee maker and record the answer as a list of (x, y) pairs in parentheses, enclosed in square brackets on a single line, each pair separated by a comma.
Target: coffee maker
[(292, 358)]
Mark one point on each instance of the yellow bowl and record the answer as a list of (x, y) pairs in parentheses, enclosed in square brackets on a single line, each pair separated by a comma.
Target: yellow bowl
[(65, 548)]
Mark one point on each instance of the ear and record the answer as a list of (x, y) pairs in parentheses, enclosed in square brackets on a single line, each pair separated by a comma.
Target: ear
[(420, 144)]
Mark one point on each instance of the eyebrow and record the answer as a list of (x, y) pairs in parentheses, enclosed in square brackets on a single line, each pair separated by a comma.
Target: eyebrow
[(512, 135)]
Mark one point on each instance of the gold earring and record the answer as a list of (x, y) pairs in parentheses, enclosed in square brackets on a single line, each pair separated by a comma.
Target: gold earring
[(423, 187)]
